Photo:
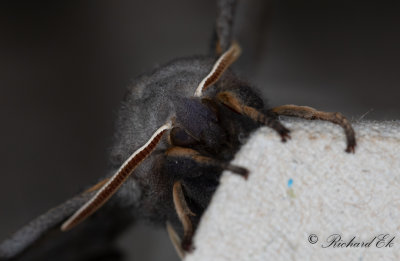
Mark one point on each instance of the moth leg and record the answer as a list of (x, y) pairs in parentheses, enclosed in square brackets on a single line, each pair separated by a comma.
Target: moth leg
[(97, 186), (309, 113), (176, 241), (184, 214), (230, 100), (194, 155)]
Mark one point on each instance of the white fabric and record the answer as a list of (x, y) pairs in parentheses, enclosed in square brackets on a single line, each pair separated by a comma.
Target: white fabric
[(333, 192)]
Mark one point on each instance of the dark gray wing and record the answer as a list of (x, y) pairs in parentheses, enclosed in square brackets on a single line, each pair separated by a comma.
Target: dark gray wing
[(42, 238)]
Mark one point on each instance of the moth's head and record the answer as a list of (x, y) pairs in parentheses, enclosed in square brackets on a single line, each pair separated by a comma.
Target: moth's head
[(209, 135)]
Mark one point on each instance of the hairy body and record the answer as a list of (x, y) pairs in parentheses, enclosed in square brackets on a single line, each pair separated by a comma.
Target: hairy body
[(211, 129), (177, 130)]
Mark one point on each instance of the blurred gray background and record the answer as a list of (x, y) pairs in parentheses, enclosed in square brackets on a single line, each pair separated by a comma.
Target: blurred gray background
[(64, 67)]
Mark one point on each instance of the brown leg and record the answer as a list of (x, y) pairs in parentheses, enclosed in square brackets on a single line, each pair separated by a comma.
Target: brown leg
[(312, 114), (184, 214), (97, 186), (230, 99), (194, 155), (176, 241)]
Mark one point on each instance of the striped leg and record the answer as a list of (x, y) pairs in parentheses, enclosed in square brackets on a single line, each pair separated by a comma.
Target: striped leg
[(195, 156), (184, 214), (176, 241), (312, 114), (230, 99)]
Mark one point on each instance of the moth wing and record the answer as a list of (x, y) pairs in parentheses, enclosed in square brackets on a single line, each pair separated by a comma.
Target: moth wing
[(42, 239), (30, 233)]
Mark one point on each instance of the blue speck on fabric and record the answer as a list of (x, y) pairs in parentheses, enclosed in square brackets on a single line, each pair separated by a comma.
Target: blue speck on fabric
[(290, 183)]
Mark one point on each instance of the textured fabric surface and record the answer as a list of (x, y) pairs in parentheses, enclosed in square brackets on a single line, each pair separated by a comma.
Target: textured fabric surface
[(308, 186)]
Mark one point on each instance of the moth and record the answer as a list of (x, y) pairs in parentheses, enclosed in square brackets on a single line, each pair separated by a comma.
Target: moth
[(178, 128)]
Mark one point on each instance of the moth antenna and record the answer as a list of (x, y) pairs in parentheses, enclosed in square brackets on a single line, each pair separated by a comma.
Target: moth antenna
[(223, 63), (115, 182)]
